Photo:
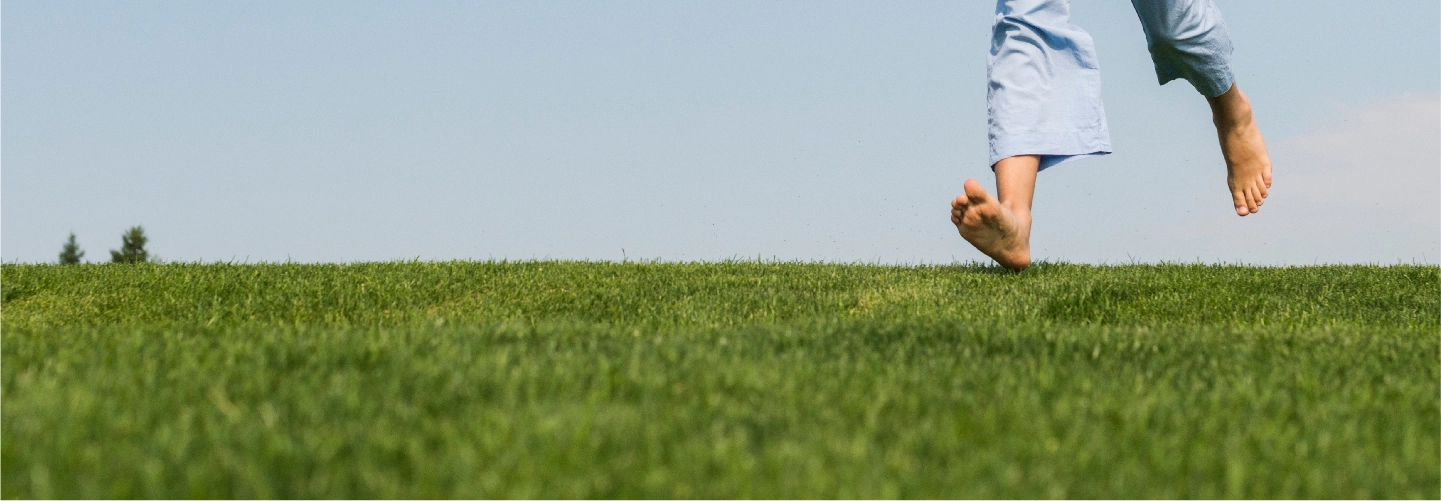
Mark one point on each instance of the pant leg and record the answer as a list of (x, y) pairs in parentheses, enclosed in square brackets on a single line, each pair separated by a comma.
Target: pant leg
[(1188, 40), (1044, 94)]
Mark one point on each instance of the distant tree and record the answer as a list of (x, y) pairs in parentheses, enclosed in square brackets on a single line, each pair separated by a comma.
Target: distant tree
[(71, 253), (132, 247)]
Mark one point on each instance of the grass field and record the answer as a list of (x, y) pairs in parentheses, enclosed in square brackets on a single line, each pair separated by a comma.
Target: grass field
[(770, 380)]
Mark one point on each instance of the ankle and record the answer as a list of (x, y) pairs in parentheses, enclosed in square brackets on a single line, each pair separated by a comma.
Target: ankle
[(1018, 211), (1232, 118), (1231, 110)]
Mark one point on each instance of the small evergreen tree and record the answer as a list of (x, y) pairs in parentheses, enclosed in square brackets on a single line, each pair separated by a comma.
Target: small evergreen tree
[(132, 247), (71, 253)]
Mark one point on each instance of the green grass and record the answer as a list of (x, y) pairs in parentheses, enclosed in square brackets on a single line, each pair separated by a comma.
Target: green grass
[(769, 380)]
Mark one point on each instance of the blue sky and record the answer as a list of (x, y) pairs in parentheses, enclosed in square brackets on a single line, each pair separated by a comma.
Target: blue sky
[(809, 130)]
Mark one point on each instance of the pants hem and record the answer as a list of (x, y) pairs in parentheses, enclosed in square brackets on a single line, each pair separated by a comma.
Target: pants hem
[(1053, 148)]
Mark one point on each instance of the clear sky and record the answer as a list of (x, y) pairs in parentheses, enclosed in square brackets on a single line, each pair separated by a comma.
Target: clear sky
[(699, 130)]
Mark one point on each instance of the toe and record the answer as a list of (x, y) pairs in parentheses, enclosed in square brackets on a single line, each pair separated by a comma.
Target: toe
[(1251, 204), (1238, 198), (975, 193), (971, 218), (1265, 189)]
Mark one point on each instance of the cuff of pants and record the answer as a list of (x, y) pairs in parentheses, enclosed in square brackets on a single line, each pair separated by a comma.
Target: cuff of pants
[(1053, 148), (1209, 71)]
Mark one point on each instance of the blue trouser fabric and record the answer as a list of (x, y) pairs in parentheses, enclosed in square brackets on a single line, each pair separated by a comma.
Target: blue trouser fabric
[(1044, 92)]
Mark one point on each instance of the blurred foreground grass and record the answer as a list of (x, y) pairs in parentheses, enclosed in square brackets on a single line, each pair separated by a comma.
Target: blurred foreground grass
[(772, 380)]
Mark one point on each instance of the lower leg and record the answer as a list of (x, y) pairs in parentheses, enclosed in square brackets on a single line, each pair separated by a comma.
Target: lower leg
[(1016, 183), (1000, 228), (1248, 166)]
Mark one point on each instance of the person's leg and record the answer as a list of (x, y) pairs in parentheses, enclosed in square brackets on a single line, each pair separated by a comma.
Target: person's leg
[(1188, 39), (1044, 100), (1043, 93), (1000, 228)]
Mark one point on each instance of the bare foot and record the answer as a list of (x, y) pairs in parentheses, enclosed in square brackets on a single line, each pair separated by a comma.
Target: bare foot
[(993, 228), (1248, 166)]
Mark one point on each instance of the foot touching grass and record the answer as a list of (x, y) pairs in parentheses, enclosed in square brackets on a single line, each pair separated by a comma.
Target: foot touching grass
[(755, 380), (992, 227)]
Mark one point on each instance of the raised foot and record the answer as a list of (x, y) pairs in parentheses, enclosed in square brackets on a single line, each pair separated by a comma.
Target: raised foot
[(993, 228), (1248, 166)]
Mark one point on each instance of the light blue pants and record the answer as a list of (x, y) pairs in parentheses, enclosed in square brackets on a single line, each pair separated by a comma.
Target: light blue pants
[(1044, 92)]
